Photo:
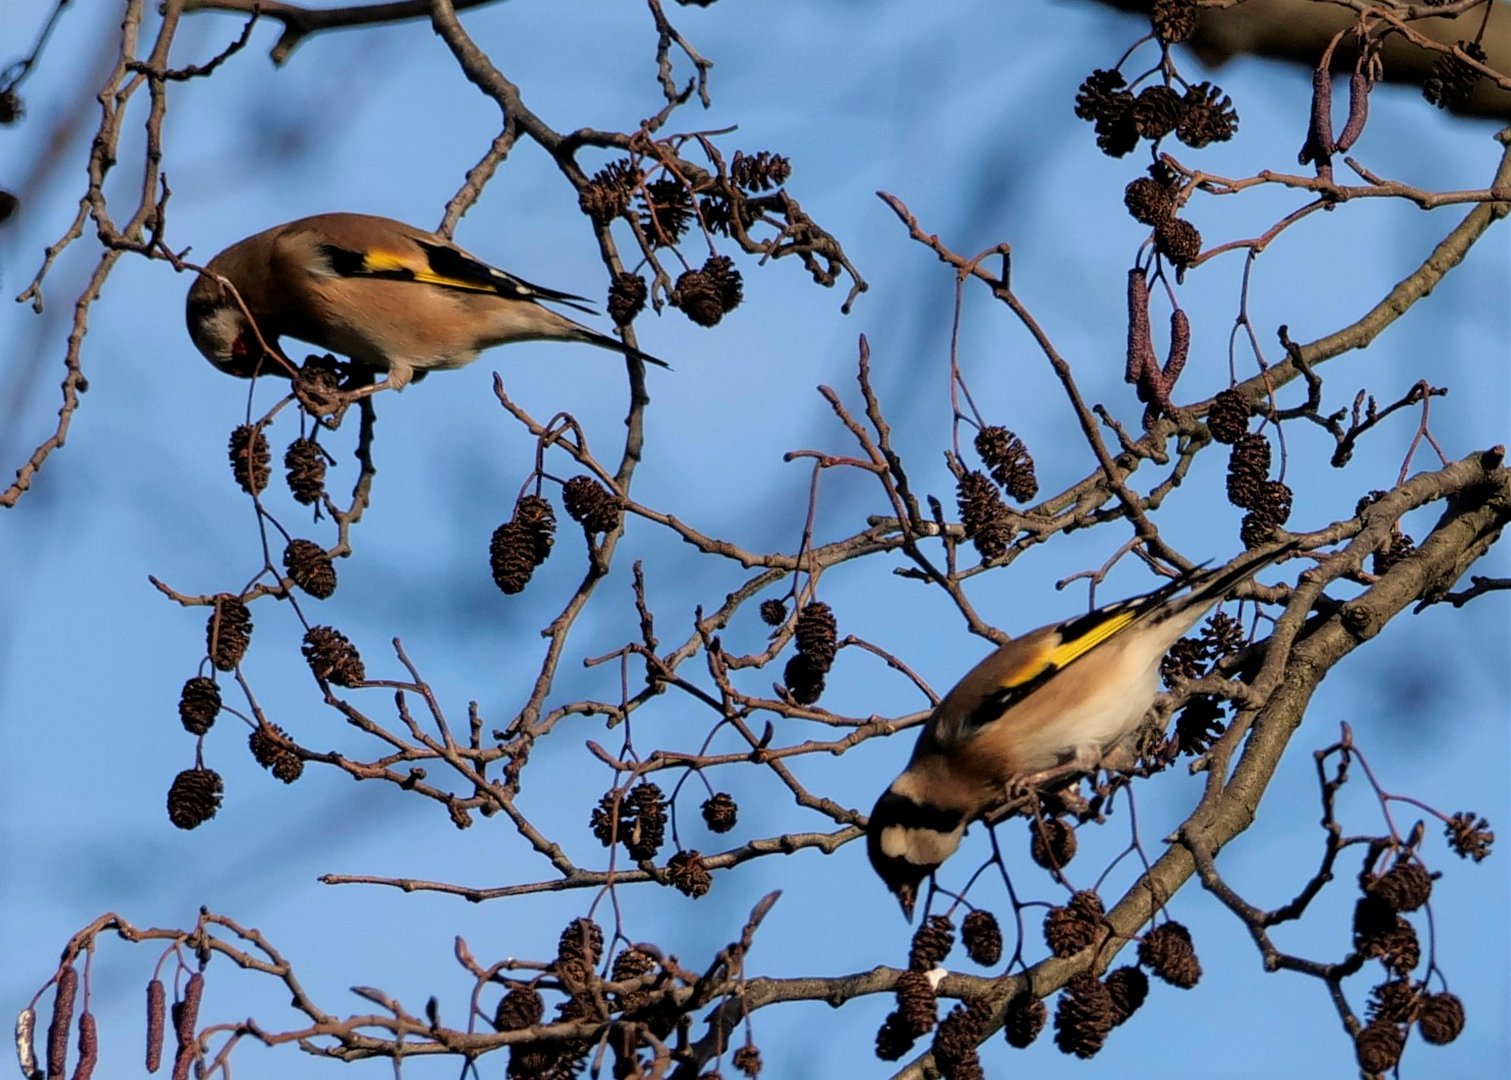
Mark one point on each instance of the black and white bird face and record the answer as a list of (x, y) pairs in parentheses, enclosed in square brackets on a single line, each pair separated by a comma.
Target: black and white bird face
[(220, 329), (907, 841)]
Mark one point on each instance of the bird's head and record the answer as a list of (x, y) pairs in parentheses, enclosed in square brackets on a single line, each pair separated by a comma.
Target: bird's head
[(907, 839), (221, 330)]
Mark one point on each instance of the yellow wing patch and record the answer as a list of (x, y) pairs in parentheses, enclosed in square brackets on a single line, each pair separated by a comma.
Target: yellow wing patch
[(1075, 647), (416, 268)]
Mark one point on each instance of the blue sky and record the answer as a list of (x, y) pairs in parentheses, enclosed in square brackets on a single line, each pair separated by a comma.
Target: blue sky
[(963, 111)]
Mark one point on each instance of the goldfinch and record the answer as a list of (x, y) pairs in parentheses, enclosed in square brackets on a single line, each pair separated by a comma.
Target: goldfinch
[(1061, 695), (386, 295)]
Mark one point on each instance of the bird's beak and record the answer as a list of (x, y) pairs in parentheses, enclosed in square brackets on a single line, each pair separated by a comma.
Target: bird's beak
[(907, 896)]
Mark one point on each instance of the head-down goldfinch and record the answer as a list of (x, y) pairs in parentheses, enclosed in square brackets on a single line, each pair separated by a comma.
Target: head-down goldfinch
[(387, 295), (1058, 696)]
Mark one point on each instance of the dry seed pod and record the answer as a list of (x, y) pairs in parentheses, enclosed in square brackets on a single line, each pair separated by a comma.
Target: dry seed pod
[(1167, 951), (893, 1038), (666, 210), (627, 296), (1207, 116), (198, 704), (250, 458), (272, 749), (984, 517), (1129, 986), (309, 567), (932, 942), (917, 1005), (1441, 1019), (1052, 843), (194, 797), (803, 679), (1148, 201), (520, 1008), (228, 632), (760, 171), (982, 938), (332, 657), (591, 504), (1178, 240), (773, 612), (536, 515), (1228, 418), (1379, 1047), (580, 942), (1084, 1015), (1174, 20), (686, 872), (511, 557), (699, 297), (720, 812), (1026, 1016), (304, 463)]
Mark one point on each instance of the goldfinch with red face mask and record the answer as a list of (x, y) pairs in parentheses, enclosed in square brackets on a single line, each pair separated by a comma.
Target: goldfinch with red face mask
[(1060, 695), (386, 295)]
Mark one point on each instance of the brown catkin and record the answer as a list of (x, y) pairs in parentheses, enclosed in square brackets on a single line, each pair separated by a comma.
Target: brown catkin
[(803, 679), (89, 1047), (185, 1024), (62, 1022), (157, 1014), (893, 1038), (666, 211)]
